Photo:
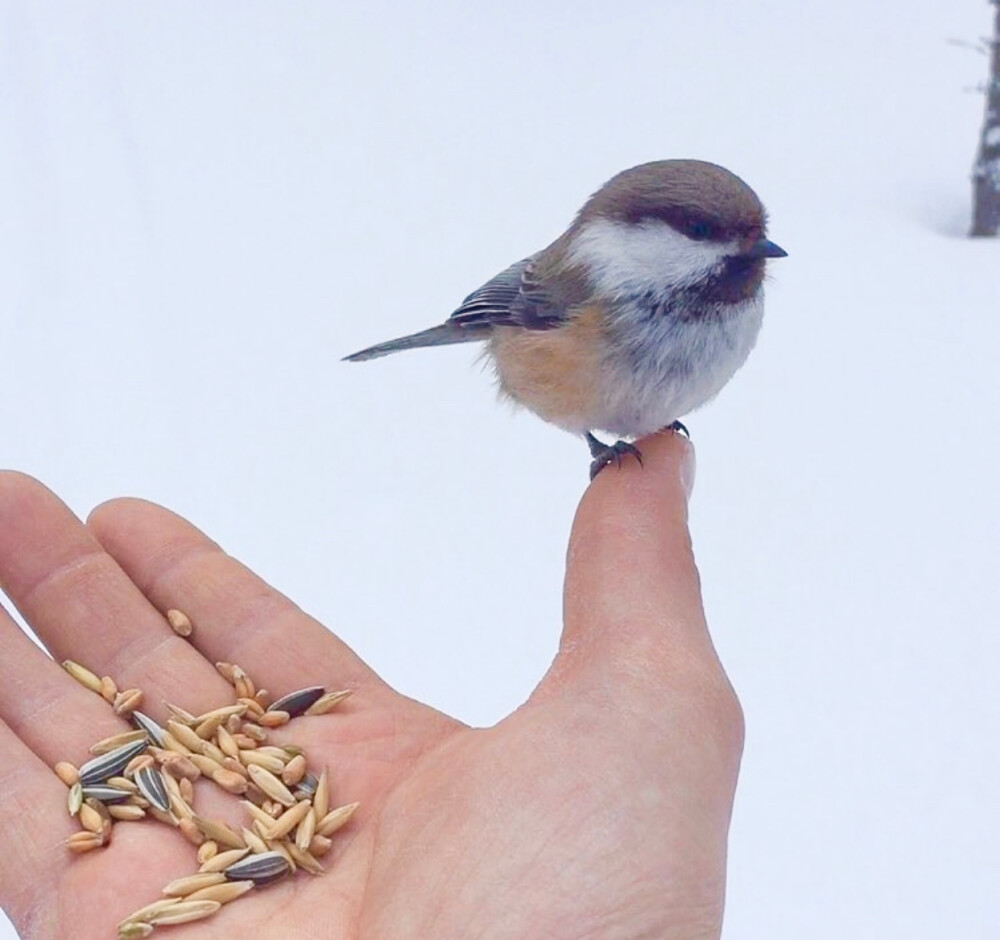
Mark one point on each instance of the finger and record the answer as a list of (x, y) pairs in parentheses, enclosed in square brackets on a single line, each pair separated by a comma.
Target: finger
[(238, 617), (632, 597), (32, 856), (84, 607)]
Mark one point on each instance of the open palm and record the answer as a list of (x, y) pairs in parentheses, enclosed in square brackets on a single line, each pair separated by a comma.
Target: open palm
[(599, 808)]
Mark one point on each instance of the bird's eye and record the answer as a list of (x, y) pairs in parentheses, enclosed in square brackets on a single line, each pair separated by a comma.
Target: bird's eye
[(699, 230)]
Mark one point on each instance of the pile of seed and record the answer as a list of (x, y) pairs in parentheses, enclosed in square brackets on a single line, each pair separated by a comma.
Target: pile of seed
[(150, 772)]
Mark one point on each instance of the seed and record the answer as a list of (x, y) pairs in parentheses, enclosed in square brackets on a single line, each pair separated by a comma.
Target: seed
[(190, 831), (222, 860), (262, 697), (279, 846), (207, 765), (90, 818), (223, 893), (147, 910), (133, 930), (254, 840), (187, 789), (180, 622), (274, 719), (179, 714), (184, 912), (226, 671), (306, 788), (231, 764), (233, 723), (271, 785), (225, 740), (83, 675), (244, 742), (305, 860), (306, 830), (206, 851), (218, 831), (230, 781), (180, 767), (211, 750), (296, 703), (152, 787), (294, 770), (274, 764), (336, 818), (257, 813), (319, 846), (126, 811), (122, 783), (185, 736), (98, 769), (171, 744), (327, 702), (254, 707), (243, 684), (181, 887), (117, 740), (74, 799), (136, 764), (288, 820), (84, 841), (108, 689), (211, 721), (260, 869), (321, 801), (106, 794), (66, 772), (127, 702), (143, 721)]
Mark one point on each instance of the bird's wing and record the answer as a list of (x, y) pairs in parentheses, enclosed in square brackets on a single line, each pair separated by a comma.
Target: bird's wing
[(513, 298)]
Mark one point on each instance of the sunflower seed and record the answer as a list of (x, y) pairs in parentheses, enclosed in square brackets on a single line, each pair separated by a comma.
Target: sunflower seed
[(223, 893), (271, 785), (106, 794), (306, 788), (260, 869), (295, 703), (184, 912), (327, 702), (180, 622), (151, 786), (111, 764), (74, 799), (181, 887), (83, 675), (145, 723), (67, 773)]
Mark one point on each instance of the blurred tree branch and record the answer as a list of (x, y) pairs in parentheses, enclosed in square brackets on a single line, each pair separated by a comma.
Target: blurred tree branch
[(986, 171)]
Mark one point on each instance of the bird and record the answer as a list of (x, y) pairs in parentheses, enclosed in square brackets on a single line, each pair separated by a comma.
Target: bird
[(639, 313)]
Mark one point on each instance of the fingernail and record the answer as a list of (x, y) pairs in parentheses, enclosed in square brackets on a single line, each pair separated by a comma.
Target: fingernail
[(687, 469)]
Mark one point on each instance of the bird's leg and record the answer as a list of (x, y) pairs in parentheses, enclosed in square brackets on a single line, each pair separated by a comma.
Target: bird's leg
[(678, 428), (605, 454)]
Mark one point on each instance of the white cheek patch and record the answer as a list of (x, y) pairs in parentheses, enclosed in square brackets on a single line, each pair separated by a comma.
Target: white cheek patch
[(624, 258)]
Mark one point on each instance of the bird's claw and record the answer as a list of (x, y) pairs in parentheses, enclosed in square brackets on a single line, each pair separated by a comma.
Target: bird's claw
[(605, 454)]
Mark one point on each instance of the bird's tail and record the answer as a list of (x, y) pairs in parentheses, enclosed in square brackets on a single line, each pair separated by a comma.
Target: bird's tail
[(442, 335)]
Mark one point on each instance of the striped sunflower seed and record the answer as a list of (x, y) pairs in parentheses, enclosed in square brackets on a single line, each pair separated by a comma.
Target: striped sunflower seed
[(105, 793), (142, 721), (305, 789), (260, 869), (151, 786), (296, 703), (98, 769)]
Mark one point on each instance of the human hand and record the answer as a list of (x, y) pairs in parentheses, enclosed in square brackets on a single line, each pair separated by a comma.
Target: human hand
[(599, 808)]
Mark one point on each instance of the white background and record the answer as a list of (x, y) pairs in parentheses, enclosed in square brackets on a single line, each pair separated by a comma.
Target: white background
[(203, 206)]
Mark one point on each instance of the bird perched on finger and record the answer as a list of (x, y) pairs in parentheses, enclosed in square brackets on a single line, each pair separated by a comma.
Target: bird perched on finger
[(636, 315)]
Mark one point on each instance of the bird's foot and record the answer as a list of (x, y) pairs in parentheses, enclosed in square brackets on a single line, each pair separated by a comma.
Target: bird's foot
[(605, 454), (678, 428)]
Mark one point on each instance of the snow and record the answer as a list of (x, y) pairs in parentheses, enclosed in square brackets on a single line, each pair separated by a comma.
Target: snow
[(206, 205)]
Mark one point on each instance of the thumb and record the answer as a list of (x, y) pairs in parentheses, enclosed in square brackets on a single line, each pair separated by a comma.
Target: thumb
[(632, 600)]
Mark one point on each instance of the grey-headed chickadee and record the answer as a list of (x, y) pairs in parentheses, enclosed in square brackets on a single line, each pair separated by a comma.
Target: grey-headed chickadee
[(637, 314)]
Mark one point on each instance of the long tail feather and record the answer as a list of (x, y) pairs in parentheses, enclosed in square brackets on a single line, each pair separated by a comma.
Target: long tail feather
[(442, 335)]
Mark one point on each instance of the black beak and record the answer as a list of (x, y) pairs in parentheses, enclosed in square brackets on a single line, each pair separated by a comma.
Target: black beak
[(765, 249)]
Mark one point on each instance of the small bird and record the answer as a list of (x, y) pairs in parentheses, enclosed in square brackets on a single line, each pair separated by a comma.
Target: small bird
[(636, 315)]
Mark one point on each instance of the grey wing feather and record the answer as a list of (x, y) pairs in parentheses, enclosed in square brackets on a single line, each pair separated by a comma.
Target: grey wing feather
[(512, 298)]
